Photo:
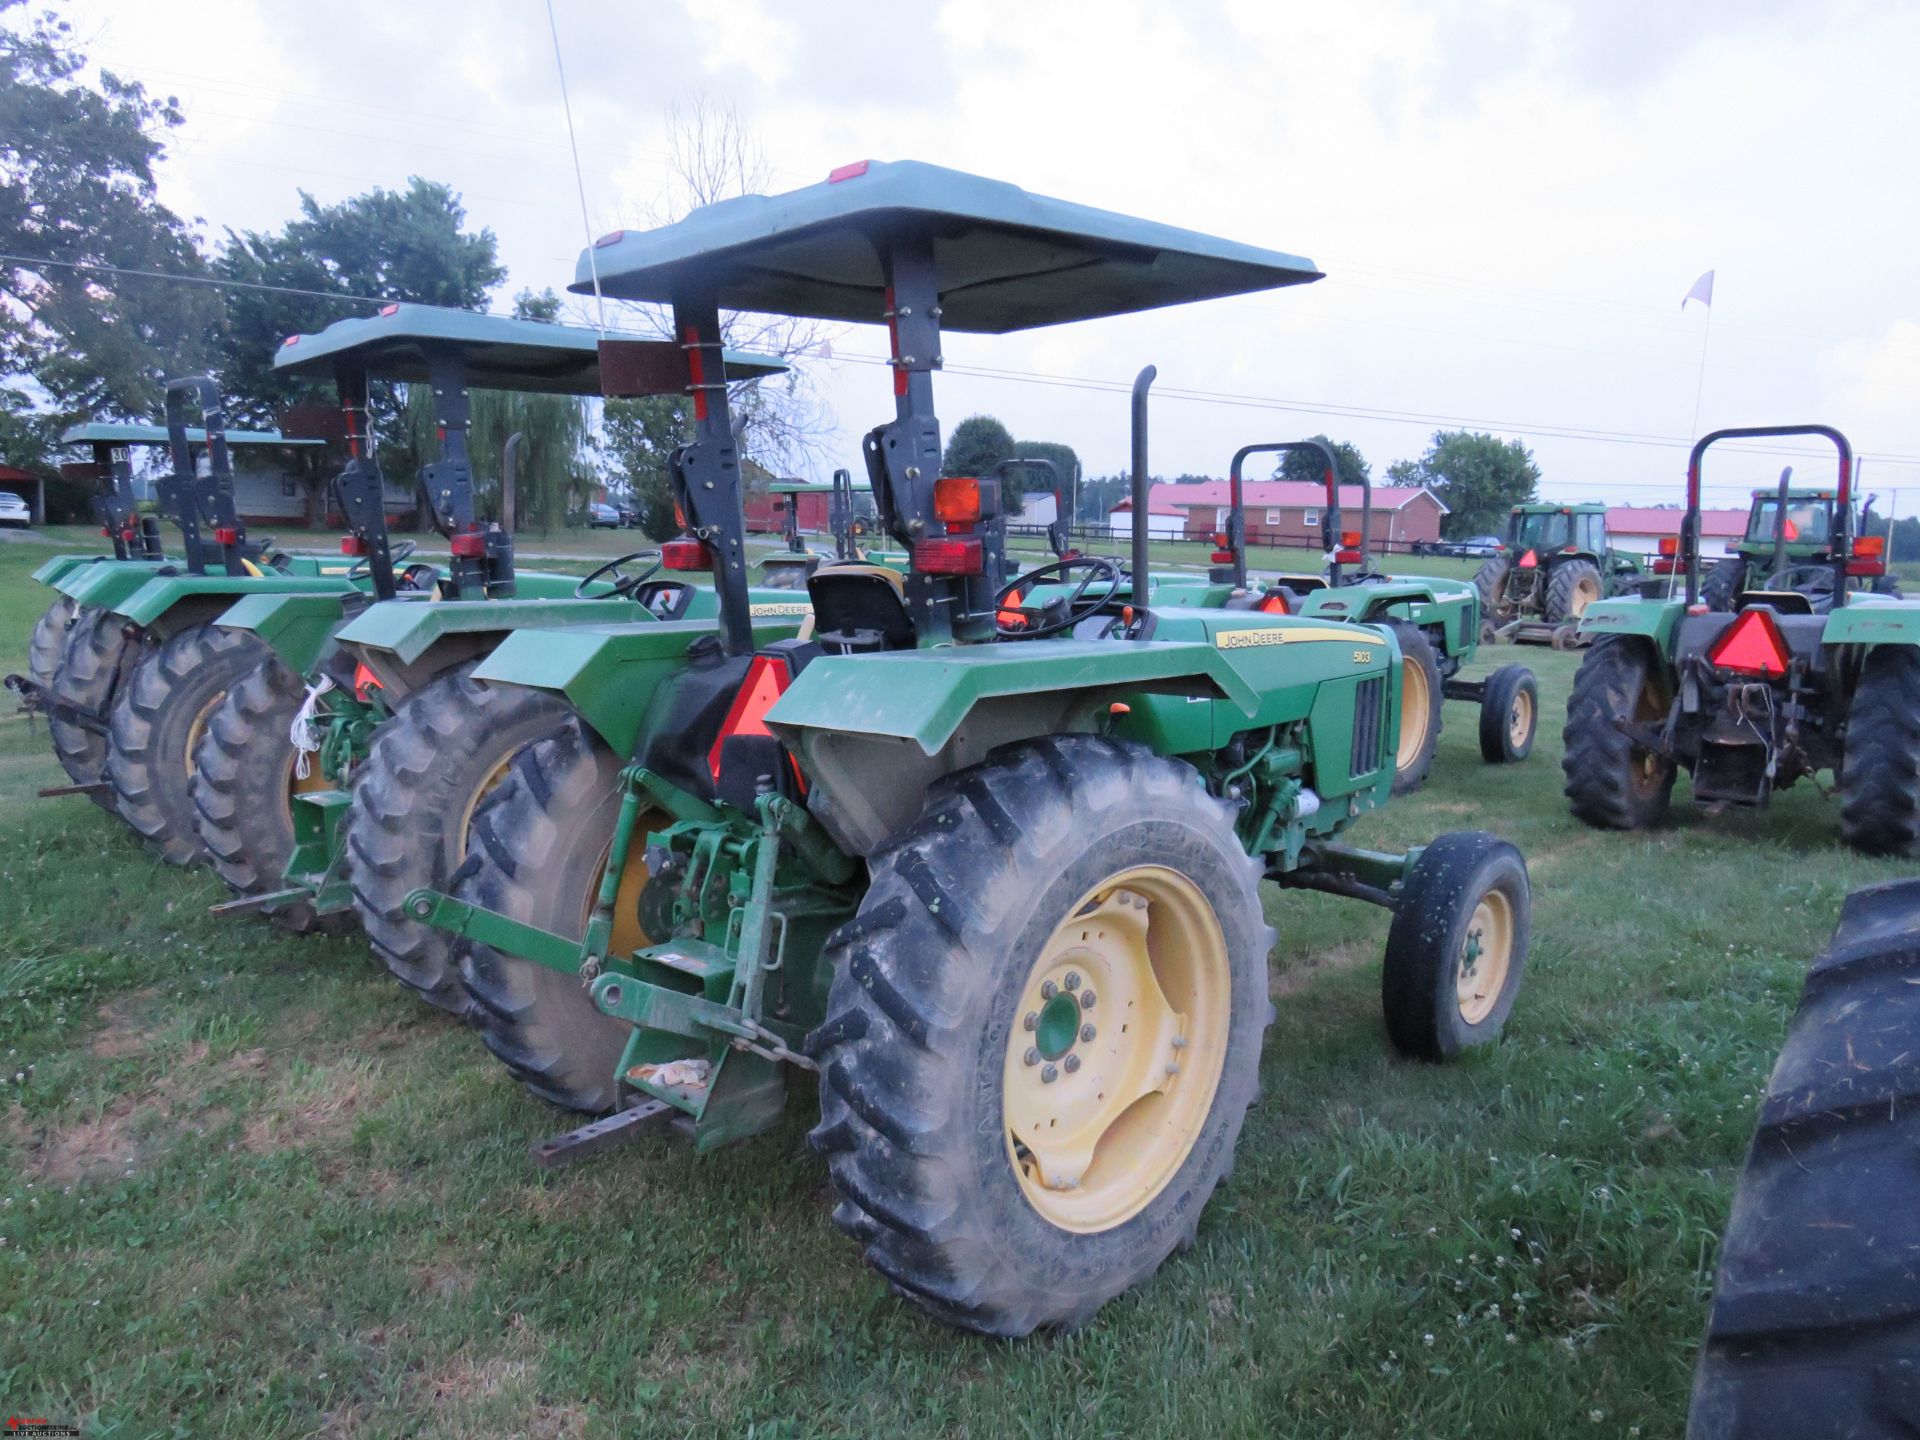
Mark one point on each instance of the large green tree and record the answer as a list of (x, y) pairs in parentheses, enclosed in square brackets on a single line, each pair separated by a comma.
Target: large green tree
[(978, 443), (1480, 477), (638, 436), (1347, 459), (78, 214), (407, 245)]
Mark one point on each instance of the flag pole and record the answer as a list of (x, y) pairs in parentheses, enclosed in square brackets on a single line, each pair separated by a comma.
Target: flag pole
[(1700, 382)]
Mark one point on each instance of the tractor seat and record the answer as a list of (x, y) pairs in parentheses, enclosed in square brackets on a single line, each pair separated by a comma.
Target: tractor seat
[(419, 577), (859, 607), (1781, 602)]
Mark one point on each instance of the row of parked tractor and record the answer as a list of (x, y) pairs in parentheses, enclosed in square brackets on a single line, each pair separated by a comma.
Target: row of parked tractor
[(975, 855)]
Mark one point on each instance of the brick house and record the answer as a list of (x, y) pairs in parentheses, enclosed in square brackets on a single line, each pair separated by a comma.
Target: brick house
[(1286, 512)]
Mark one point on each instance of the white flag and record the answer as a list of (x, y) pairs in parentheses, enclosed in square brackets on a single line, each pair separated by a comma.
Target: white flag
[(1702, 291)]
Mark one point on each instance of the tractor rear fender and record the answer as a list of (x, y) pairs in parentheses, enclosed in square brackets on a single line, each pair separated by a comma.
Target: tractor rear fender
[(407, 642), (1653, 619), (105, 586), (874, 731), (297, 628), (608, 672), (52, 572), (1452, 605), (169, 603), (1872, 620)]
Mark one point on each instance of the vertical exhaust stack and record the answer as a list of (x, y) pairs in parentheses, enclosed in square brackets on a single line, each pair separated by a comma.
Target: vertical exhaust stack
[(1142, 383), (509, 474), (1780, 521)]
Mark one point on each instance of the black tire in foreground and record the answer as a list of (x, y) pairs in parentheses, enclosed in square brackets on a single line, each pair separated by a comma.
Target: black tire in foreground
[(1612, 783), (1509, 715), (431, 765), (243, 784), (157, 724), (94, 667), (1457, 947), (1815, 1324), (49, 641), (539, 850), (1880, 779), (960, 1114), (1420, 696)]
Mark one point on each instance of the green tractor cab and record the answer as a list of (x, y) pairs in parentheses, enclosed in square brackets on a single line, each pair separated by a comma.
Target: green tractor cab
[(363, 722), (1750, 698), (1435, 622), (1788, 545), (985, 862), (1556, 561)]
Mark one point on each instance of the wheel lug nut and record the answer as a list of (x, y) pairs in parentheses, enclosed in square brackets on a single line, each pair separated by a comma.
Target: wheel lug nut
[(1086, 999), (1032, 1022), (1049, 1075), (1049, 990), (1072, 1063), (1174, 1068), (1032, 1056), (1087, 1032), (1073, 980), (1179, 1042)]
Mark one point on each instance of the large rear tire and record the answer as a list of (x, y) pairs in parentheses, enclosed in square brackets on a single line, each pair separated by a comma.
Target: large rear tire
[(446, 748), (1726, 579), (539, 850), (1490, 580), (1008, 1167), (157, 724), (1420, 692), (1880, 779), (1613, 783), (49, 641), (1815, 1323), (94, 667), (243, 786), (1573, 586)]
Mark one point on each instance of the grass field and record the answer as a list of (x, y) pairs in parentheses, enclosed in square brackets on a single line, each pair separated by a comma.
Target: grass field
[(253, 1189)]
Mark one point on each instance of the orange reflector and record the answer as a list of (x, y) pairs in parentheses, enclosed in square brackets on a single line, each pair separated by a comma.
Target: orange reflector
[(1751, 646), (364, 680), (1669, 544), (1870, 547), (1350, 539), (1273, 604), (766, 682), (956, 499), (1793, 530), (1528, 561), (1119, 707), (1010, 617)]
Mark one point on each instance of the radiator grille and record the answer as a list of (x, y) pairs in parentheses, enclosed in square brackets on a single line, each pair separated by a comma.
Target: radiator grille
[(1369, 724)]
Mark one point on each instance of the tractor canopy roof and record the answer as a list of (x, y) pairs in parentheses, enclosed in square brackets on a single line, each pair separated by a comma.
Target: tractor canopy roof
[(1804, 497), (499, 353), (1004, 259), (119, 434), (1546, 507)]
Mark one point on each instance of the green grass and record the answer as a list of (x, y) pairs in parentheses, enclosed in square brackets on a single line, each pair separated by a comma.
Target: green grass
[(252, 1189)]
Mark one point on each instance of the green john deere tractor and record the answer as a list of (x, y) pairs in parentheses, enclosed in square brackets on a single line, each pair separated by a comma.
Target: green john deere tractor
[(1555, 563), (1749, 698), (1435, 622), (1788, 545), (983, 854), (143, 661), (343, 770)]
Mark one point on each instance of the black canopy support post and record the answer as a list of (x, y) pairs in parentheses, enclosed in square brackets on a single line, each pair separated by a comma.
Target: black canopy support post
[(1142, 486), (108, 503), (357, 488), (201, 504), (228, 530), (706, 471), (1780, 520), (482, 564)]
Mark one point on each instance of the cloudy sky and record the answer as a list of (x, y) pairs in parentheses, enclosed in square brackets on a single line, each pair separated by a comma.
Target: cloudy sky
[(1508, 199)]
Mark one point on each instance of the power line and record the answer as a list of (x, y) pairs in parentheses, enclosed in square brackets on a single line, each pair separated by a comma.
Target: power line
[(35, 261)]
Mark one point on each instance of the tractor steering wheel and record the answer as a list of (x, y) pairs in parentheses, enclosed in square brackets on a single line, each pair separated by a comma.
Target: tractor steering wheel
[(362, 567), (1014, 621), (623, 584), (1813, 581)]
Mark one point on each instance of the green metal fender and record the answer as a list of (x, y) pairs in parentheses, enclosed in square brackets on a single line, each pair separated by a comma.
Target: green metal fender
[(170, 602), (297, 628), (407, 642), (609, 672), (52, 572), (1654, 619), (1422, 600), (105, 586), (1874, 620)]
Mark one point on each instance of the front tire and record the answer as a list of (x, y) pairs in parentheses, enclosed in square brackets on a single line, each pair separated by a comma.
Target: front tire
[(157, 724), (430, 766), (1458, 946), (1613, 783), (1509, 715), (1420, 691), (1055, 871), (539, 850), (1880, 779)]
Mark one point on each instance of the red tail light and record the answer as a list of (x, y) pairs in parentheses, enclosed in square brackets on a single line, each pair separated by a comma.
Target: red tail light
[(1666, 565), (1751, 646), (468, 545), (1346, 557), (226, 535), (955, 555), (1528, 561), (352, 545), (767, 680), (1223, 557), (686, 554)]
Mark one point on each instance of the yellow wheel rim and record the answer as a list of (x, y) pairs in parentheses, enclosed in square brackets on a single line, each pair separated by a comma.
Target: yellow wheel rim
[(1116, 1049), (1416, 711), (1584, 594), (1648, 769), (628, 936), (316, 780), (199, 728), (494, 779), (1486, 957), (1520, 719)]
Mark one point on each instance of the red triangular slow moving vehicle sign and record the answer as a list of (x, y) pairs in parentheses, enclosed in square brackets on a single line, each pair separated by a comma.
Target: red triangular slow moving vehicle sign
[(1751, 646)]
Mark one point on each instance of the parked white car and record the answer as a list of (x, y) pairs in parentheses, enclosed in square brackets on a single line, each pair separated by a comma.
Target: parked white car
[(14, 510)]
